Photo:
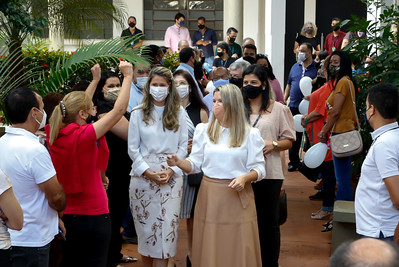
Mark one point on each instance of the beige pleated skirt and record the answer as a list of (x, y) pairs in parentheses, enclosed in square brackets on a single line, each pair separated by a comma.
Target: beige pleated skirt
[(225, 226)]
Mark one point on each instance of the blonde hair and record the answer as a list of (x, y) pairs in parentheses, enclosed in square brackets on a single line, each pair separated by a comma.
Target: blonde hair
[(234, 115), (73, 103), (170, 119), (303, 33)]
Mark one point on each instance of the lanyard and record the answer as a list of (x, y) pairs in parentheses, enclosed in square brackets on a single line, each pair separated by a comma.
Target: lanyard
[(257, 119)]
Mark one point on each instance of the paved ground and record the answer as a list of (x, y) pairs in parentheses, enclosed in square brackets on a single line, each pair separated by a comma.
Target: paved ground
[(302, 243)]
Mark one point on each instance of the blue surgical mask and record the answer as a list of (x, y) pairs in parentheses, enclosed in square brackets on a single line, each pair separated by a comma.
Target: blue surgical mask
[(220, 82), (181, 23)]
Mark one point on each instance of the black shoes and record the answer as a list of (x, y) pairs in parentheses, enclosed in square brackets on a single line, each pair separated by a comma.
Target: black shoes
[(292, 168)]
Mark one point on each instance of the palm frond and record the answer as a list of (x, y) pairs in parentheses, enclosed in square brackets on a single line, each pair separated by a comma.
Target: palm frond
[(10, 76), (112, 50)]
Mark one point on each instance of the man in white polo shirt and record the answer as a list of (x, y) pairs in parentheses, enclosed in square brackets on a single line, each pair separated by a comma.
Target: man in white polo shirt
[(35, 184), (377, 194)]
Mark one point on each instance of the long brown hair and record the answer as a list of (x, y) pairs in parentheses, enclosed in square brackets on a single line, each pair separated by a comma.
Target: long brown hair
[(170, 119)]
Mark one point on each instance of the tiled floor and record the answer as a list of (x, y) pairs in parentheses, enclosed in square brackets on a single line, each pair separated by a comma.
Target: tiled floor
[(302, 243)]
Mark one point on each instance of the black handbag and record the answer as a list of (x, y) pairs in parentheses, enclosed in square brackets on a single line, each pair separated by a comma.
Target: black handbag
[(195, 179), (282, 218), (311, 174)]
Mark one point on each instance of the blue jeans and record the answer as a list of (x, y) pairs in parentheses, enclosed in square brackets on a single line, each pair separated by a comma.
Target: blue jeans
[(342, 167), (30, 256)]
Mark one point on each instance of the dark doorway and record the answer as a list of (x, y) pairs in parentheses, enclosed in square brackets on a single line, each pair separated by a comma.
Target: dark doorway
[(293, 23), (326, 10)]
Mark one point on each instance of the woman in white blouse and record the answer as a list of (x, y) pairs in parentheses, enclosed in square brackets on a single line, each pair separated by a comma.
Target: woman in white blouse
[(229, 152), (276, 125), (157, 127)]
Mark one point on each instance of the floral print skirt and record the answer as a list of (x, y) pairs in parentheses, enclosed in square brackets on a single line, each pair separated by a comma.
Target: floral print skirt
[(155, 210)]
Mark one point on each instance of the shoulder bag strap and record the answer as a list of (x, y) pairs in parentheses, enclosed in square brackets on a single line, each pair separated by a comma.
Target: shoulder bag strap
[(354, 104)]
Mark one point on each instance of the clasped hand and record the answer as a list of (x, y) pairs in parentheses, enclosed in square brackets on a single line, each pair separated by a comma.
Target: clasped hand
[(159, 177)]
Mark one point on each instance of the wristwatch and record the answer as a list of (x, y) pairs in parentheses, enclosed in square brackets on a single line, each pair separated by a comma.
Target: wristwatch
[(275, 145)]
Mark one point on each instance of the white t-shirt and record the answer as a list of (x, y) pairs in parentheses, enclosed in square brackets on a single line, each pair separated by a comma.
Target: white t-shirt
[(5, 184), (28, 163), (374, 209), (221, 161)]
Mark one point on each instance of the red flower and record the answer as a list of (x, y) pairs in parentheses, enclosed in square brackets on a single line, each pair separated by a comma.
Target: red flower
[(121, 59), (358, 89), (45, 65)]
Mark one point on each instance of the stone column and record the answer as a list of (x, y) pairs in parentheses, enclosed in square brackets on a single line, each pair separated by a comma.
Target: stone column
[(254, 22), (275, 36), (232, 17)]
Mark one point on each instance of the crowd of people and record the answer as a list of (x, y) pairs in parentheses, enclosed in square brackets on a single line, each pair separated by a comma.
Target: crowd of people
[(205, 143)]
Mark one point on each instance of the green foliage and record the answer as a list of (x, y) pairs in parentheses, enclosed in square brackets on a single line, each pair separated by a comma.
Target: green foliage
[(108, 53), (171, 61), (381, 50)]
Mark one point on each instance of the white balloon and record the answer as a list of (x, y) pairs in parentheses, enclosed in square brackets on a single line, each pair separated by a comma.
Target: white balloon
[(315, 155), (305, 84), (297, 123), (304, 107)]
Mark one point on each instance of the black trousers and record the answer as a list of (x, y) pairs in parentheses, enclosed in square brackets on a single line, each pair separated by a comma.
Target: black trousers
[(30, 256), (118, 202), (267, 195), (296, 145), (87, 240)]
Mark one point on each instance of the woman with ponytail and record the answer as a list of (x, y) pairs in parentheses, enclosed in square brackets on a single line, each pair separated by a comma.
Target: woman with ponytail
[(79, 152)]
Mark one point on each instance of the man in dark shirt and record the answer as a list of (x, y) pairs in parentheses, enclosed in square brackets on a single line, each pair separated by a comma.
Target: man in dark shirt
[(205, 39), (223, 60), (334, 39), (132, 31)]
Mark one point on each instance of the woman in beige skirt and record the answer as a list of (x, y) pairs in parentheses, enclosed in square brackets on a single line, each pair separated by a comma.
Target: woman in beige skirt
[(229, 152)]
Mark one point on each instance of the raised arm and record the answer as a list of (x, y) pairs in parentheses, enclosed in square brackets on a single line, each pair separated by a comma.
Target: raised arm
[(96, 72), (101, 127)]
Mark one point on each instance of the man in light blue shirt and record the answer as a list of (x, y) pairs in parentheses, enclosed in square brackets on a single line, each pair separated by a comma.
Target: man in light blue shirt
[(140, 76), (187, 60)]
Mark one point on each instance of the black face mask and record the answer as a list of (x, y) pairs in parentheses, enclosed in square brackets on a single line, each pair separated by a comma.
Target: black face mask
[(249, 59), (232, 40), (220, 54), (132, 24), (309, 31), (236, 81), (252, 91), (335, 28), (201, 26)]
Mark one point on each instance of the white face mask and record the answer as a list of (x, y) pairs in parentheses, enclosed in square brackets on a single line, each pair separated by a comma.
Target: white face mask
[(301, 56), (159, 93), (183, 91), (141, 81), (111, 94), (43, 122)]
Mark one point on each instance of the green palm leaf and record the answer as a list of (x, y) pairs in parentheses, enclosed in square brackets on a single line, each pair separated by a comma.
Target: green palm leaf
[(10, 76), (112, 50)]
